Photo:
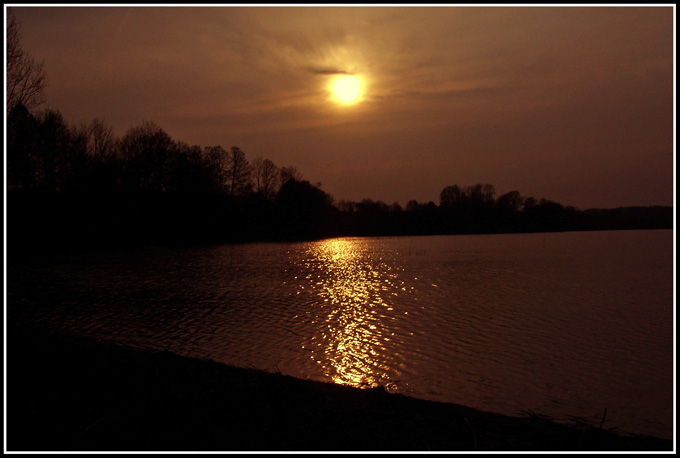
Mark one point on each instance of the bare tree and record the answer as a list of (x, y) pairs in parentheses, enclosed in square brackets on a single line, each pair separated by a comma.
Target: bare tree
[(239, 172), (270, 179), (266, 176), (256, 167), (99, 137), (25, 77), (52, 150), (218, 158)]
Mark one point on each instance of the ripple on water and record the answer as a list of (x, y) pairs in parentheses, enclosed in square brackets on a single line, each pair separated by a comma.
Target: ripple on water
[(559, 324)]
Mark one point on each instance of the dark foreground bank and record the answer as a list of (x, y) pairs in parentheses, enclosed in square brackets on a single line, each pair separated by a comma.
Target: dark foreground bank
[(67, 393)]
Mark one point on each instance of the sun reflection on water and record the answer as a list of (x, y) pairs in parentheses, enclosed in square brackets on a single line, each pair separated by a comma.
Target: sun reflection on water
[(354, 325)]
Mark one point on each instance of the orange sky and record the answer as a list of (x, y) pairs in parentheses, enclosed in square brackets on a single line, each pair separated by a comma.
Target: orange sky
[(574, 104)]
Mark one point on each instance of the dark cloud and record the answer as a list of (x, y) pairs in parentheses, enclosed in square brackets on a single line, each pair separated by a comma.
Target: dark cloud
[(329, 71)]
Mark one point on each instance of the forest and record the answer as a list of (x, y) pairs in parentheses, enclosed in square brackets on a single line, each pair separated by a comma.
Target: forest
[(81, 186)]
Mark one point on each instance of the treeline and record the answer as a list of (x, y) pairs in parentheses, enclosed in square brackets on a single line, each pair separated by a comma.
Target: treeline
[(476, 210), (82, 185)]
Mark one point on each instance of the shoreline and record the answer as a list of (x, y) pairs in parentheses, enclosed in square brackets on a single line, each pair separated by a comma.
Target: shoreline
[(68, 393)]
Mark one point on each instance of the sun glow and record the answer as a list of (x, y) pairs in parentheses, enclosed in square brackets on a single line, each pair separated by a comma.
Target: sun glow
[(346, 89)]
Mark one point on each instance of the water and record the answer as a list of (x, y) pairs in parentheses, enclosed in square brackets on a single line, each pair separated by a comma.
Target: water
[(561, 324)]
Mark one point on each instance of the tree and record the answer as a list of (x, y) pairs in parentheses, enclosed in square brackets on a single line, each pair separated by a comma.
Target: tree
[(488, 194), (100, 141), (347, 206), (511, 201), (77, 162), (304, 209), (288, 173), (146, 150), (412, 205), (21, 148), (372, 206), (530, 204), (218, 160), (25, 78), (53, 141), (475, 196), (103, 165), (395, 207), (266, 176), (450, 196), (239, 172), (256, 168), (190, 172)]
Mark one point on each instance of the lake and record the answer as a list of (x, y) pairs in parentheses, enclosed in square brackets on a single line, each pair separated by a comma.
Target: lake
[(559, 324)]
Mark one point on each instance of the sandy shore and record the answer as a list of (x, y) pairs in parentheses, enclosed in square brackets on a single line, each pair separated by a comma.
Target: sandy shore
[(75, 394)]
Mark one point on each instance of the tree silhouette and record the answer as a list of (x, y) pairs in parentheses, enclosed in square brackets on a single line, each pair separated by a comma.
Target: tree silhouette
[(54, 139), (346, 206), (288, 173), (21, 148), (146, 150), (412, 205), (511, 201), (25, 77), (451, 196), (480, 195), (469, 197), (304, 210), (529, 204), (190, 173), (100, 141), (218, 160), (266, 176), (239, 172)]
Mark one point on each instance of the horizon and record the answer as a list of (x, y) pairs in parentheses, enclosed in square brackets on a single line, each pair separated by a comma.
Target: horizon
[(575, 107)]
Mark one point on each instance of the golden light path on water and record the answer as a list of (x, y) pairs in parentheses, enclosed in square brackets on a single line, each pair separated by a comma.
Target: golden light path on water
[(355, 326)]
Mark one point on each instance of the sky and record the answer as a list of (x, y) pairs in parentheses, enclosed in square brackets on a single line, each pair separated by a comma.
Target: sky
[(572, 104)]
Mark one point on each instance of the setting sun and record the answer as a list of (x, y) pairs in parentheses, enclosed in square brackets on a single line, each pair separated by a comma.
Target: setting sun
[(346, 89)]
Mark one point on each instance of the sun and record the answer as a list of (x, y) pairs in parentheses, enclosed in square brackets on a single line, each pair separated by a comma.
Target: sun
[(346, 89)]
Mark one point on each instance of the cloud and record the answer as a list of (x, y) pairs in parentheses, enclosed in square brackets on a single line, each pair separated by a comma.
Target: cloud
[(329, 71)]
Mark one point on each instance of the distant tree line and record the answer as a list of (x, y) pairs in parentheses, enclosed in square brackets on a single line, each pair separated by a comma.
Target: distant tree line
[(80, 184), (475, 209)]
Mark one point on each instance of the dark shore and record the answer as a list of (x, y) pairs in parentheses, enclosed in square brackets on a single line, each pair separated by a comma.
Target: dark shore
[(76, 394)]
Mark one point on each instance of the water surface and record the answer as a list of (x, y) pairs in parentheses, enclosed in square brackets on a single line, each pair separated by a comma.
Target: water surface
[(559, 324)]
